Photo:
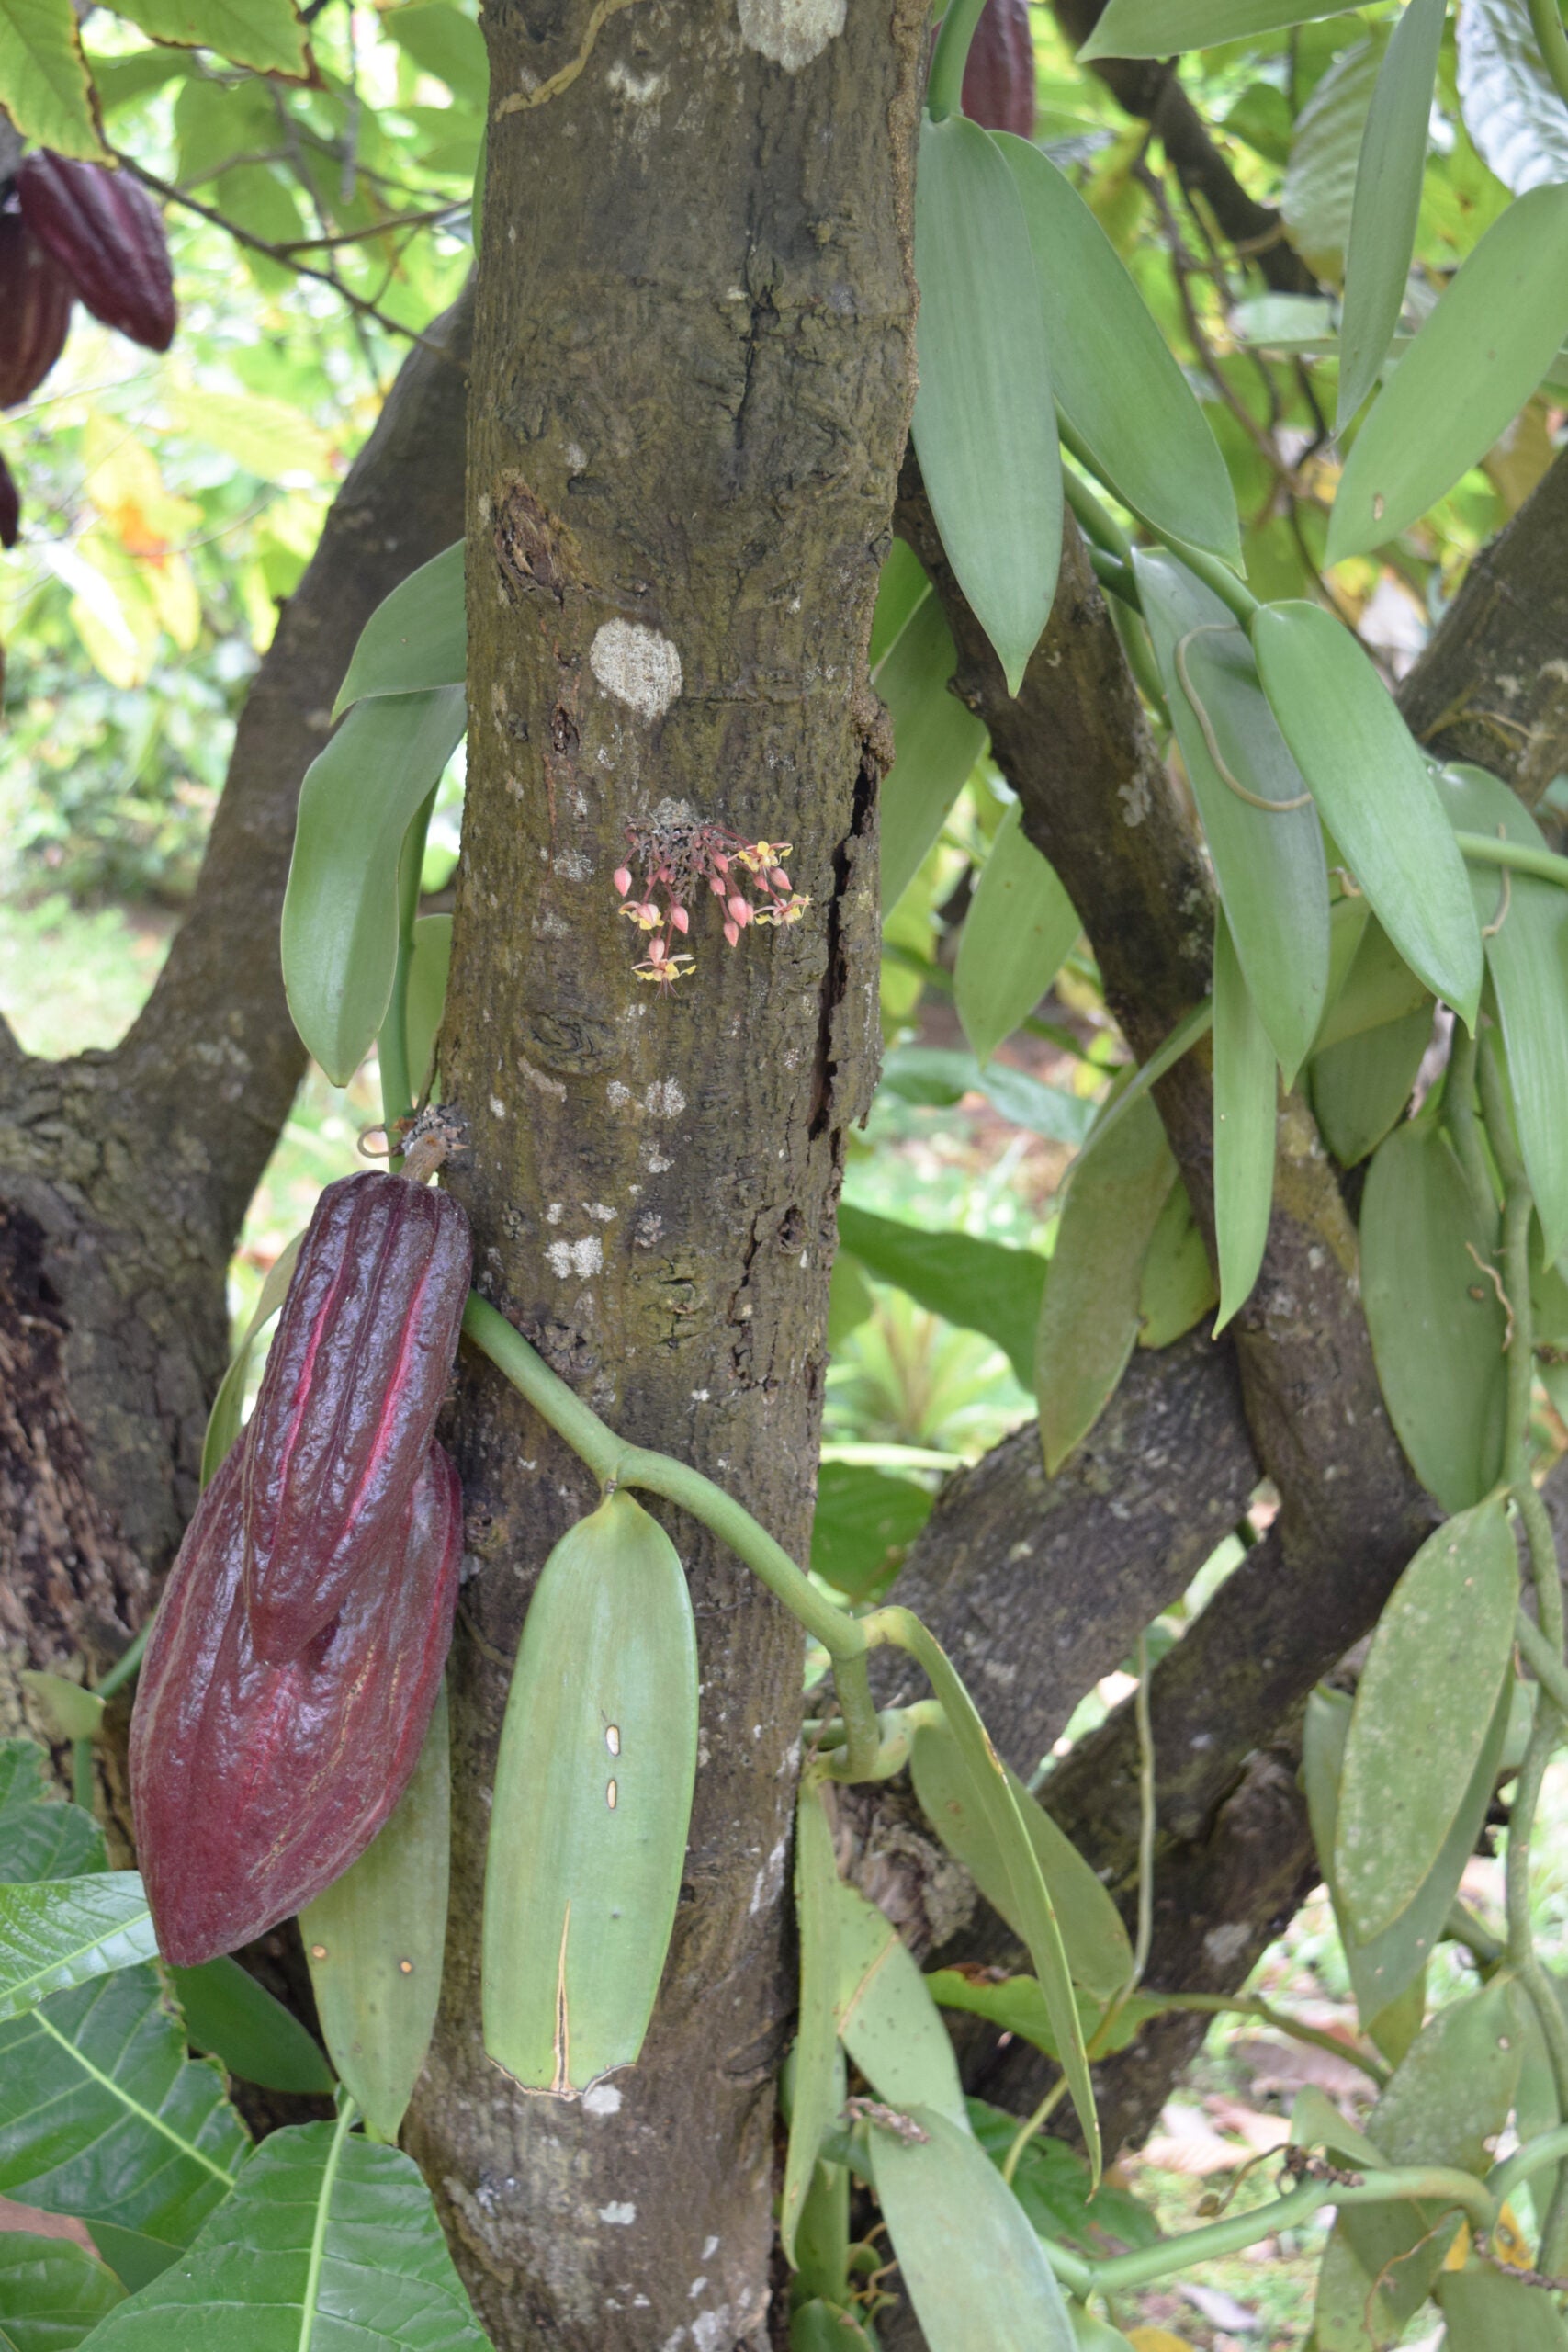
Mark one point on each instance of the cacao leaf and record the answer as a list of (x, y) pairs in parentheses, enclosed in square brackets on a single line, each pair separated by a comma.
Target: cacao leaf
[(984, 428), (339, 934), (1476, 360), (39, 1837), (1089, 1321), (1269, 863), (885, 2018), (1245, 1090), (592, 1801), (864, 1523), (1017, 2005), (1485, 2310), (980, 1285), (1325, 145), (417, 638), (445, 42), (935, 744), (43, 82), (237, 2021), (1178, 1287), (265, 35), (1427, 1698), (376, 1939), (1435, 1321), (817, 2096), (57, 1932), (328, 2239), (1018, 933), (53, 2292), (1389, 174), (1360, 1087), (1374, 792), (1051, 2183), (224, 1421), (1510, 105), (1164, 27), (974, 2270), (1118, 386)]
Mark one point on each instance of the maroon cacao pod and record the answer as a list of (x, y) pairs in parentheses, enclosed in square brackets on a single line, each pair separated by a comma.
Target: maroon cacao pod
[(349, 1399), (10, 507), (104, 230), (254, 1786), (35, 310), (999, 79)]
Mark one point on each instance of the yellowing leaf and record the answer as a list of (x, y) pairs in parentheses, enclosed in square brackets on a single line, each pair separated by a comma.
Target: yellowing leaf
[(268, 437), (43, 82)]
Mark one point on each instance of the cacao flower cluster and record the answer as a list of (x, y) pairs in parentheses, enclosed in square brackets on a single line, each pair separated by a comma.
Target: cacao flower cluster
[(298, 1652), (677, 862), (73, 231)]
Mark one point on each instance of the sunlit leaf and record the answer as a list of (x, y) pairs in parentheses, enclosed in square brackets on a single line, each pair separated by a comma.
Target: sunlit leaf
[(981, 1285), (57, 1932), (1512, 109), (43, 82), (265, 35), (443, 42), (1388, 197)]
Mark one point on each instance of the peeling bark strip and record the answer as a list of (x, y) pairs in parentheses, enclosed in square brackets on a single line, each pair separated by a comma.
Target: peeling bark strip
[(692, 375)]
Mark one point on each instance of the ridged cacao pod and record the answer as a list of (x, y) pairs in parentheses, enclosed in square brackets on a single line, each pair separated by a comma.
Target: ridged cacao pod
[(349, 1399), (999, 79), (254, 1786), (35, 310), (10, 507), (104, 230)]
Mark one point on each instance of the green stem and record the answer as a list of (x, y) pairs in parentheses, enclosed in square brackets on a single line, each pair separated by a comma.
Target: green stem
[(944, 90), (83, 1787), (1542, 1660), (126, 1664), (1552, 43), (392, 1045), (1459, 1113), (1097, 525), (1147, 1820), (1548, 2149), (1482, 849), (1112, 573), (1233, 593), (1253, 2004), (1140, 656)]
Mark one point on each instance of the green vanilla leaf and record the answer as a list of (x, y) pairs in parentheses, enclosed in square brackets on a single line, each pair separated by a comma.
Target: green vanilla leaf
[(1424, 1706), (53, 2292), (1268, 864), (376, 1939), (1485, 2310), (901, 585), (1120, 391), (237, 2021), (69, 1711), (1016, 936), (974, 2268), (935, 744), (885, 2018), (1165, 28), (822, 2326), (418, 636), (1526, 922), (340, 912), (816, 2094), (984, 426), (327, 2240), (1246, 1088), (43, 81), (60, 1932), (1476, 360), (864, 1523), (981, 1285), (265, 35), (1178, 1287), (1435, 1321), (1370, 982), (430, 966), (1374, 792), (1388, 198), (1361, 1082), (1088, 1322), (224, 1421)]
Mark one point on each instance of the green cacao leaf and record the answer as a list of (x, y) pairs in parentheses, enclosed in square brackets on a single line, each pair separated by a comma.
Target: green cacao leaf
[(592, 1801), (1510, 105), (1163, 27), (816, 2094), (1388, 174), (445, 42), (417, 636), (1474, 364), (1115, 380), (327, 2241), (1245, 1090), (1016, 936), (1051, 2183), (58, 1932), (237, 2021), (864, 1523), (1435, 1321), (1178, 1287), (887, 2019), (1320, 179), (1374, 792), (1016, 2005), (43, 82), (974, 2270), (981, 1285), (1426, 1701), (265, 35), (1088, 1322), (1269, 863), (984, 427), (340, 912), (1360, 1087), (53, 2293), (376, 1939), (1485, 2310), (39, 1837), (935, 744)]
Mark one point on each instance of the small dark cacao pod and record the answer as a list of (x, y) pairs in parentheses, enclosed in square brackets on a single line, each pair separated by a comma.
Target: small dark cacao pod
[(10, 507), (105, 228), (35, 310), (254, 1786), (348, 1402), (999, 79)]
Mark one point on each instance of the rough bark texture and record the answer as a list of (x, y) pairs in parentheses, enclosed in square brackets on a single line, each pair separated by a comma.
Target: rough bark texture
[(694, 343)]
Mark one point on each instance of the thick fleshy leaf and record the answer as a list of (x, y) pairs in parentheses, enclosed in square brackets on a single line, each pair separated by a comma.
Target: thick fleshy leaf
[(58, 1932), (237, 2021), (863, 1525), (1485, 2310), (417, 636), (981, 1285), (1388, 197), (1246, 1088), (1476, 361), (1325, 146), (935, 744), (1374, 792), (328, 2242), (339, 935), (1120, 391), (1178, 1287), (53, 2293), (1424, 1706), (901, 584), (1269, 863), (974, 2270), (1360, 1086), (429, 964), (1435, 1321), (43, 82), (984, 426), (1089, 1323), (68, 1710), (887, 2019), (1526, 952), (1164, 27), (1371, 984), (1511, 107), (815, 2090), (1016, 937)]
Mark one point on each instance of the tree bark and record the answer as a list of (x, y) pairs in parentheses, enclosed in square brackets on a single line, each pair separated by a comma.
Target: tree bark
[(693, 376)]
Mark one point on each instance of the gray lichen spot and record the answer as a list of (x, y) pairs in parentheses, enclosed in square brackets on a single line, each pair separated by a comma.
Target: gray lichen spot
[(636, 665), (790, 32)]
